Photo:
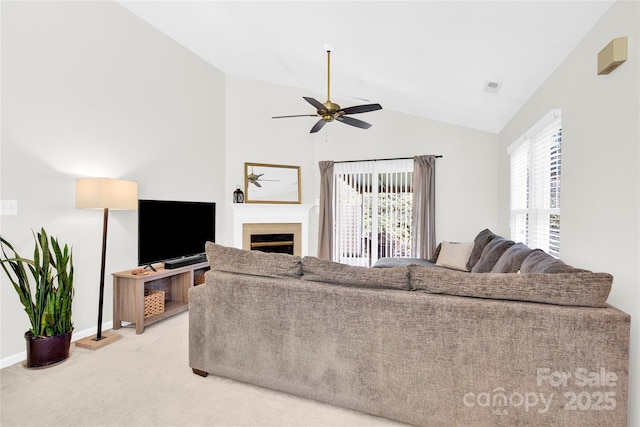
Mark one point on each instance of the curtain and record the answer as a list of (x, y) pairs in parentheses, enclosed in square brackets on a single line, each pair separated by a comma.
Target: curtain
[(325, 218), (424, 190)]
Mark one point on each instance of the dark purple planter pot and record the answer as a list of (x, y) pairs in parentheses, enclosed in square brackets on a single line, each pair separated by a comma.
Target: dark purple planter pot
[(47, 351)]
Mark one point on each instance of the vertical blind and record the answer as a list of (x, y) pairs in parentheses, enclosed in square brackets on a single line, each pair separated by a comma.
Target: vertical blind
[(535, 185), (372, 210)]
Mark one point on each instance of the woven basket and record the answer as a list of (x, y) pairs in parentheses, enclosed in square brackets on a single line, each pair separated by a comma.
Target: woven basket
[(198, 279), (153, 302)]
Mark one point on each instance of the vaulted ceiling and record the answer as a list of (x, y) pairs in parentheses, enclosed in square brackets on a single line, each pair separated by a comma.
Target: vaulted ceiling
[(432, 59)]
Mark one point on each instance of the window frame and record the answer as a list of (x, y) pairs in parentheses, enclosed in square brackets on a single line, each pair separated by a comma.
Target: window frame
[(535, 164)]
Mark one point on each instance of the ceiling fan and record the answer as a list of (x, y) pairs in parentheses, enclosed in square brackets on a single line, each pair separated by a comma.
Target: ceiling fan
[(329, 111)]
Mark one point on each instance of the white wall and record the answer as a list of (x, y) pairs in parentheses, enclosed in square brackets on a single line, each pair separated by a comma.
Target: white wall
[(91, 90), (88, 89), (600, 199), (466, 179)]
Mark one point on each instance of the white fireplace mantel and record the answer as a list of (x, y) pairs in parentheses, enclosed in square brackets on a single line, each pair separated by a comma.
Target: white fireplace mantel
[(248, 213)]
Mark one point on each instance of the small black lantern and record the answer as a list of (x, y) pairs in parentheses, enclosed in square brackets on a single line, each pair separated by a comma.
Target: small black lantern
[(238, 195)]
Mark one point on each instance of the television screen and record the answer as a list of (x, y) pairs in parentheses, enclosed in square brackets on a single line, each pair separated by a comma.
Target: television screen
[(173, 229)]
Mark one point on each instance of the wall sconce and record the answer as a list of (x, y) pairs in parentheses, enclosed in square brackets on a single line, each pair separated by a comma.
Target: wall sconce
[(614, 54)]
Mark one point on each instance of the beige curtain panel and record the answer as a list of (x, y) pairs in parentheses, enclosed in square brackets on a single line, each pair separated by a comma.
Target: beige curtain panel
[(423, 243), (325, 218)]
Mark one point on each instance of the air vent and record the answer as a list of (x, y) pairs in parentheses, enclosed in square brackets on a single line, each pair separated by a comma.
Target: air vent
[(492, 87)]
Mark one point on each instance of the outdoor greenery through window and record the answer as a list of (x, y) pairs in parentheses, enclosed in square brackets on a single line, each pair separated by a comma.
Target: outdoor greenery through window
[(372, 210), (535, 185)]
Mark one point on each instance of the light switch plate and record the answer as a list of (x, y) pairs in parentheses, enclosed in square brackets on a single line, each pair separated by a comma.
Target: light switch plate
[(8, 207)]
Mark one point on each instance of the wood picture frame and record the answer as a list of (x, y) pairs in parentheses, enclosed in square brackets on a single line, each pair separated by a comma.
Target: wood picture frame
[(267, 183)]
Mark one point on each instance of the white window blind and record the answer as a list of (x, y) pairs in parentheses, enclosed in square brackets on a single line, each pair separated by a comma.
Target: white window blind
[(535, 185), (372, 210)]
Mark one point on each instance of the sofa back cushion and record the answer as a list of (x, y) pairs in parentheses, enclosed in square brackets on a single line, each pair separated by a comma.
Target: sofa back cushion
[(481, 240), (539, 261), (318, 270), (511, 260), (233, 260), (574, 289), (491, 254)]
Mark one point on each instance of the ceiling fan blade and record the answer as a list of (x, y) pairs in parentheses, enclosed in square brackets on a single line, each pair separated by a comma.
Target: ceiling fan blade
[(362, 108), (319, 106), (353, 122), (319, 124), (295, 115)]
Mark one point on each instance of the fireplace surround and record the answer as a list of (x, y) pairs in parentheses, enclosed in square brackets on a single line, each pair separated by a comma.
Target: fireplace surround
[(254, 235), (271, 219)]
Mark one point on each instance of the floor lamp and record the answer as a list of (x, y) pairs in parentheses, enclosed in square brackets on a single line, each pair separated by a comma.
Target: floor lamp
[(104, 193)]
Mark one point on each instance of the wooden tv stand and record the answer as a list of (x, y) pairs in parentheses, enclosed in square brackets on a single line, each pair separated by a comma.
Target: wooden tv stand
[(128, 293)]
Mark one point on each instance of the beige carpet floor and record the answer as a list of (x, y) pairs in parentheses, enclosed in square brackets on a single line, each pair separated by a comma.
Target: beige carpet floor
[(145, 380)]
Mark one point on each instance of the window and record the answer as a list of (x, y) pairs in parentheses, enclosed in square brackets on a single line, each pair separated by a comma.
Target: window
[(372, 210), (535, 185)]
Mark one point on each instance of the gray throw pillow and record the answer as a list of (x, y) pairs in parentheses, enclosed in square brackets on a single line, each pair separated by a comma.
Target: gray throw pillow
[(481, 240), (436, 253), (491, 254), (256, 263), (511, 260), (538, 261)]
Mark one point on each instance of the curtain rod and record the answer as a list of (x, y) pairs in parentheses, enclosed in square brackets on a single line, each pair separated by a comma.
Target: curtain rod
[(379, 160)]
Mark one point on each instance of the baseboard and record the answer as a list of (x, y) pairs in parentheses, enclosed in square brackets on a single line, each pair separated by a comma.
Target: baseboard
[(12, 360), (77, 335)]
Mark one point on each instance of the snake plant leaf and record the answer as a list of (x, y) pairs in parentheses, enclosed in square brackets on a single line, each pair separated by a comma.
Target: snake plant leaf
[(48, 306)]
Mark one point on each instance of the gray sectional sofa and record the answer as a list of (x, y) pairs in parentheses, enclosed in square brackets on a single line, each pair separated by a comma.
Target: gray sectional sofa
[(422, 345)]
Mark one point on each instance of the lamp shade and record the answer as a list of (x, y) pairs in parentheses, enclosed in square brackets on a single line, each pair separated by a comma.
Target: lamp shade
[(100, 193)]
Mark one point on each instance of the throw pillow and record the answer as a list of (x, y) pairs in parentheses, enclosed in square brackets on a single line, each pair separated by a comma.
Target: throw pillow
[(491, 254), (434, 257), (538, 261), (454, 255), (511, 260), (256, 263), (481, 240)]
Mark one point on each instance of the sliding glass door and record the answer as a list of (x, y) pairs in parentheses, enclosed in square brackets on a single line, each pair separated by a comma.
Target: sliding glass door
[(372, 210)]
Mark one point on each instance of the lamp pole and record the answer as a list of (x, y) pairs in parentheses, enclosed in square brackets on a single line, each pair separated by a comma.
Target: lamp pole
[(105, 222)]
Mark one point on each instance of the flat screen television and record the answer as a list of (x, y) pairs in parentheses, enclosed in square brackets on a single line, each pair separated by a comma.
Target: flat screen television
[(170, 230)]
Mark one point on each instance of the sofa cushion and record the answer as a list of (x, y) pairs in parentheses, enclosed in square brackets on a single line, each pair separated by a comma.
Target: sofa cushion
[(388, 262), (318, 270), (573, 289), (233, 260), (511, 260), (481, 240), (539, 261), (454, 255), (491, 254)]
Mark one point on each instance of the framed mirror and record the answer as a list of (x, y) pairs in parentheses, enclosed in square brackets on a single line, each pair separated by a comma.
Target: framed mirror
[(265, 183)]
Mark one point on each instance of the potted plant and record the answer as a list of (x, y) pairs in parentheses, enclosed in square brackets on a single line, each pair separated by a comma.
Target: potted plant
[(47, 300)]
